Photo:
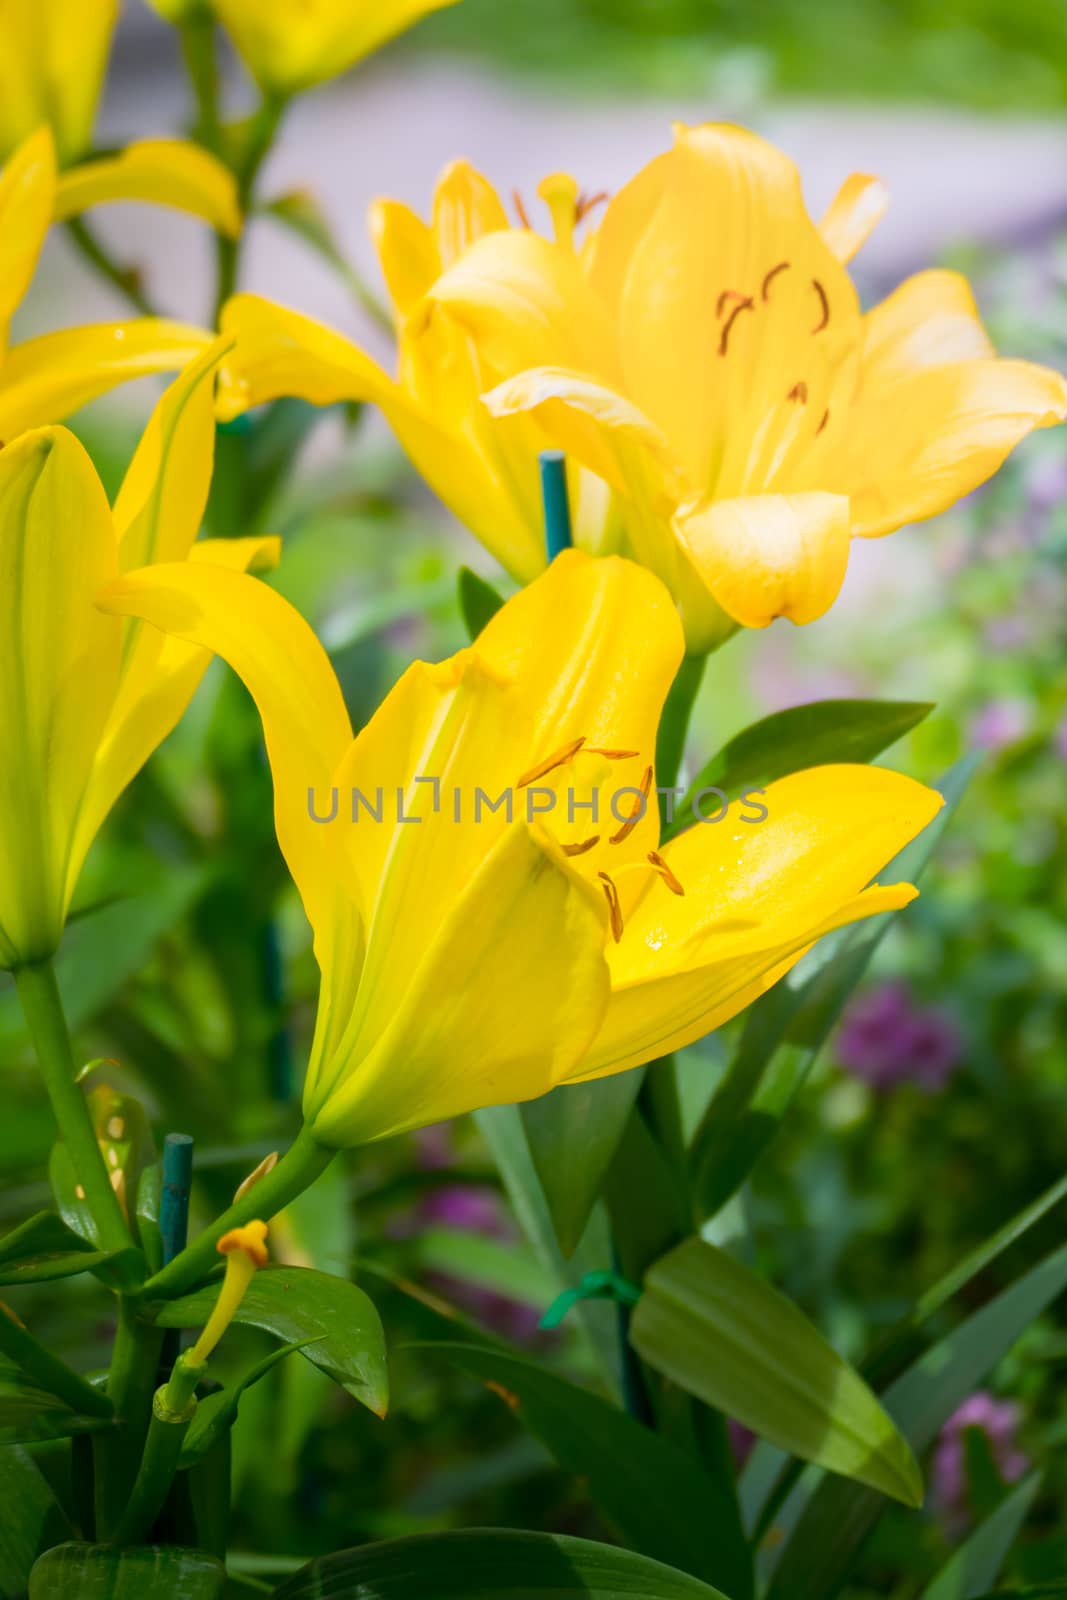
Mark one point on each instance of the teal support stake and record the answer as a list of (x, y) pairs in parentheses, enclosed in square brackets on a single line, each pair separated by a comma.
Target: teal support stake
[(558, 535), (174, 1200)]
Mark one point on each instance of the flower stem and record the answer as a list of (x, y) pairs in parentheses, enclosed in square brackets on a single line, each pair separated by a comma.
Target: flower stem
[(43, 1009), (196, 31), (298, 1169), (259, 138), (125, 279), (166, 1435)]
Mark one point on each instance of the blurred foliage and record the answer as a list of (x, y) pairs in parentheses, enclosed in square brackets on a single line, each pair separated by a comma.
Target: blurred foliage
[(966, 52)]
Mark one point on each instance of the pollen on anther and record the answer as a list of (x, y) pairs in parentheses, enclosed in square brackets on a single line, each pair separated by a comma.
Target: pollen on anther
[(638, 810), (581, 846), (799, 392), (614, 906), (557, 759), (822, 424), (824, 304), (610, 755), (657, 861), (724, 338), (765, 288)]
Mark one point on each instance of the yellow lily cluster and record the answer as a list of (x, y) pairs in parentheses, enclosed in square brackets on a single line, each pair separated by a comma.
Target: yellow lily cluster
[(701, 355), (85, 698), (473, 954)]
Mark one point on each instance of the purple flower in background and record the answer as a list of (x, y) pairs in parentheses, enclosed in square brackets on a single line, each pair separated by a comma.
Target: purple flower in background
[(999, 1420), (1046, 482), (886, 1039), (1001, 722)]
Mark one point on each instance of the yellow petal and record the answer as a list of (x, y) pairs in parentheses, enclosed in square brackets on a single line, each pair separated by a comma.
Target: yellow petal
[(488, 481), (60, 666), (27, 187), (162, 172), (526, 936), (757, 894), (49, 377), (51, 69), (771, 555), (598, 427), (526, 303), (918, 445), (465, 206), (161, 503), (407, 251), (158, 679), (289, 48), (853, 214), (287, 672), (929, 321), (725, 295)]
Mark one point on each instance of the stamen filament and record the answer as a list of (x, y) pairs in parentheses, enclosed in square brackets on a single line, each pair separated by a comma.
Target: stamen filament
[(558, 759)]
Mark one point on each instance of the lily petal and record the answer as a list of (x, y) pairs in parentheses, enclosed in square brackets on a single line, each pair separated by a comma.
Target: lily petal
[(56, 550), (407, 252), (528, 934), (27, 187), (465, 206), (917, 445), (757, 895), (289, 48), (930, 320), (771, 555), (53, 375), (853, 214), (162, 172)]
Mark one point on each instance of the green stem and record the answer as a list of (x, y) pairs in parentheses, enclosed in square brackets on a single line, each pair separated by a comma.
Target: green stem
[(43, 1010), (125, 279), (166, 1435), (298, 1169), (22, 1348), (196, 31), (259, 137), (130, 1385)]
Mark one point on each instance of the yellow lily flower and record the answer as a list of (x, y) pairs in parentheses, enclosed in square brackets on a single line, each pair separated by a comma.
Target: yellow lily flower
[(485, 470), (84, 697), (748, 416), (44, 379), (474, 952), (291, 47), (52, 68)]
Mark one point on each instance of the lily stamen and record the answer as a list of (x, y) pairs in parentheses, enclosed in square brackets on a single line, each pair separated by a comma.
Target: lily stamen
[(614, 905), (638, 811), (558, 759), (824, 303), (610, 755), (743, 305), (656, 861), (587, 203), (799, 391), (765, 287), (582, 845), (520, 209)]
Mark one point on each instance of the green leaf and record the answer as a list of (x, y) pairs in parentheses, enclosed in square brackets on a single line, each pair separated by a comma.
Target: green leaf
[(31, 1519), (98, 1572), (977, 1562), (44, 1248), (724, 1334), (298, 1305), (802, 736), (826, 1533), (123, 1269), (502, 1129), (785, 1030), (29, 1414), (573, 1134), (491, 1264), (490, 1564), (217, 1413), (658, 1497), (478, 601)]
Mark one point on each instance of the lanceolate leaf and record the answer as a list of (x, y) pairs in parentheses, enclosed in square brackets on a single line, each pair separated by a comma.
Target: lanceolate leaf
[(98, 1572), (977, 1563), (44, 1248), (336, 1325), (827, 1533), (573, 1134), (723, 1333), (478, 601), (217, 1413), (490, 1564), (659, 1498), (803, 736), (29, 1414), (31, 1518)]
